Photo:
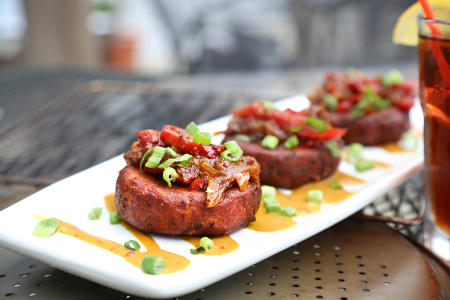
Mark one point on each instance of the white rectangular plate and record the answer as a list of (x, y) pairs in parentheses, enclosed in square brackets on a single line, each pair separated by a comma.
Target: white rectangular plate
[(72, 198)]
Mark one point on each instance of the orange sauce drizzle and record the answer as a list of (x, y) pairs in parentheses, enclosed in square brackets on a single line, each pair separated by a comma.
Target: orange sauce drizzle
[(393, 148), (270, 222), (174, 262)]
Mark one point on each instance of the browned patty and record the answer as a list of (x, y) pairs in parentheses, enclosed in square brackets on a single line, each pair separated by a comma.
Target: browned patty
[(147, 203), (376, 128), (290, 168)]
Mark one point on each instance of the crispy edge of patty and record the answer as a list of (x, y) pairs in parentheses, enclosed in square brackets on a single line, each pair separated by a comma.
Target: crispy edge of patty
[(148, 204), (373, 129), (290, 168)]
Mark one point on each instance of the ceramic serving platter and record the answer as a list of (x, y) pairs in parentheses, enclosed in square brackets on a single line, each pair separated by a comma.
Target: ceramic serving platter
[(71, 199)]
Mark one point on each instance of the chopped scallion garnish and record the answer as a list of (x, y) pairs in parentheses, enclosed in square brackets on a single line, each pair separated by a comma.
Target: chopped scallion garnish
[(132, 245), (183, 160), (318, 124), (197, 250), (393, 77), (288, 211), (363, 165), (298, 128), (336, 185), (202, 138), (231, 156), (46, 228), (192, 128), (156, 157), (268, 104), (153, 265), (170, 175), (355, 152), (291, 142), (272, 205), (332, 145), (270, 142), (95, 213), (206, 243), (114, 218), (243, 137), (233, 152), (144, 158), (330, 102), (315, 196), (268, 197), (408, 141), (268, 191), (171, 152)]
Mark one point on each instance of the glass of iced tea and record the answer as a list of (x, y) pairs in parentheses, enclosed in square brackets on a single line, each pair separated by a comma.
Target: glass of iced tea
[(434, 61)]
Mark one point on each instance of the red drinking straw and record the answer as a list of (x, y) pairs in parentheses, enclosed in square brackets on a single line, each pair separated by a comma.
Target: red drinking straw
[(437, 52)]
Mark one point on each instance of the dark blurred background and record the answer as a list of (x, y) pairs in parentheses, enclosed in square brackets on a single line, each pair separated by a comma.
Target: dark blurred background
[(197, 36)]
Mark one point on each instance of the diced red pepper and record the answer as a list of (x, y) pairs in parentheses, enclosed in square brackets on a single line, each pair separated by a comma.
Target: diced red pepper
[(313, 134), (288, 119), (180, 139), (199, 184), (343, 106), (148, 138)]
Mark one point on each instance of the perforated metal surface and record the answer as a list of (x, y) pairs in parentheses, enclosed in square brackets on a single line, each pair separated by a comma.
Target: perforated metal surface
[(352, 260)]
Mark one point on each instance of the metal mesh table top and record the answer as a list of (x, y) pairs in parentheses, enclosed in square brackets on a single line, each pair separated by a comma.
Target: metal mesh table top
[(97, 121)]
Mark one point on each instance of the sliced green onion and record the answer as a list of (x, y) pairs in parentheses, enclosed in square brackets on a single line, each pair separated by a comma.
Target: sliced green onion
[(381, 103), (153, 265), (243, 137), (268, 191), (183, 160), (315, 196), (336, 185), (393, 77), (170, 175), (144, 158), (408, 141), (355, 152), (270, 142), (206, 243), (171, 152), (202, 138), (114, 218), (272, 205), (358, 111), (332, 145), (291, 142), (156, 157), (318, 124), (288, 211), (46, 228), (298, 128), (370, 98), (330, 102), (167, 163), (95, 213), (232, 145), (198, 250), (268, 104), (132, 245), (192, 128), (363, 165), (231, 156), (233, 152)]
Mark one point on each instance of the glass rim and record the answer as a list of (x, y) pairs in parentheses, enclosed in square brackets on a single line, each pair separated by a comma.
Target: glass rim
[(435, 20)]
